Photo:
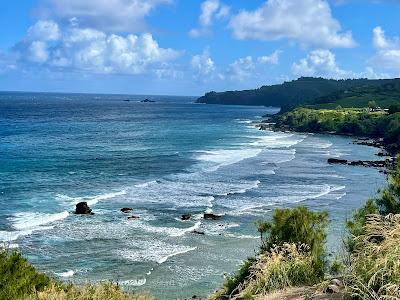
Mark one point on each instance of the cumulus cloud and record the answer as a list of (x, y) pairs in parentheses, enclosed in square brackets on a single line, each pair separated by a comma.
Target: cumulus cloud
[(91, 50), (210, 10), (203, 65), (242, 68), (106, 15), (322, 63), (319, 62), (388, 50), (308, 22), (247, 67), (270, 59)]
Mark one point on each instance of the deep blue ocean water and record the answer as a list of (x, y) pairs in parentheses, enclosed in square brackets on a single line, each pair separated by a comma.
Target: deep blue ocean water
[(162, 159)]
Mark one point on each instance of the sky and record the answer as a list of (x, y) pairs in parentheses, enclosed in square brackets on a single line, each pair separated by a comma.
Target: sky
[(189, 47)]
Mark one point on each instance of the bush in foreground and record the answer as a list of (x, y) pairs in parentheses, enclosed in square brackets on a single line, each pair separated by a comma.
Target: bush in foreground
[(292, 253), (20, 280), (101, 291)]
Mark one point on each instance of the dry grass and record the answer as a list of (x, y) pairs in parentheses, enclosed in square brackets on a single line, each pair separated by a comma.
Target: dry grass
[(375, 262), (285, 266), (102, 291)]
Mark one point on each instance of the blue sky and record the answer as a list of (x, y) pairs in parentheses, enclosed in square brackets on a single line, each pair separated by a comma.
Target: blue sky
[(189, 47)]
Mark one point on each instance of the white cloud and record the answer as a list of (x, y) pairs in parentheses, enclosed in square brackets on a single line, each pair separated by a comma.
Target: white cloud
[(388, 50), (202, 64), (44, 30), (242, 68), (247, 67), (322, 63), (93, 50), (309, 22), (319, 63), (107, 15), (270, 59), (210, 10)]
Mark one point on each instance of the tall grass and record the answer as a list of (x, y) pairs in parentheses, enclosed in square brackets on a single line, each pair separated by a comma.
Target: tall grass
[(375, 261), (292, 253)]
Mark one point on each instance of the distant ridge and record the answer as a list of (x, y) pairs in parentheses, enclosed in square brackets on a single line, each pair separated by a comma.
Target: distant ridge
[(288, 94)]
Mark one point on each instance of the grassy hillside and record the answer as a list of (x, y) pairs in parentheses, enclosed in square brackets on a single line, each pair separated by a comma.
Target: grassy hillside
[(304, 89)]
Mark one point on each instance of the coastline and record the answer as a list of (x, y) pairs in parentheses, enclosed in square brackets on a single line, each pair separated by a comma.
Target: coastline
[(386, 150)]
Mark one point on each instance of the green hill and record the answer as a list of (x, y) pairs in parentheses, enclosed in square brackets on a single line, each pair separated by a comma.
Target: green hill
[(292, 93), (383, 95)]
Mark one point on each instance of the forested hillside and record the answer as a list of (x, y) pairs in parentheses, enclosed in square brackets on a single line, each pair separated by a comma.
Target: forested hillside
[(302, 90)]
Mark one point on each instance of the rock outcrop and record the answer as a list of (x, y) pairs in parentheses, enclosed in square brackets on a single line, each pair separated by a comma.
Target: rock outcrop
[(82, 208)]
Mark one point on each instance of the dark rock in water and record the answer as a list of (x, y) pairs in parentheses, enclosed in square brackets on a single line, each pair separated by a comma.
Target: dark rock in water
[(211, 217), (186, 217), (337, 161), (126, 209), (198, 232), (82, 208), (147, 101), (133, 218), (127, 100)]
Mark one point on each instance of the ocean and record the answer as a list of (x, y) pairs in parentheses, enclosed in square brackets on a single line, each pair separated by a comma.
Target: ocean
[(161, 159)]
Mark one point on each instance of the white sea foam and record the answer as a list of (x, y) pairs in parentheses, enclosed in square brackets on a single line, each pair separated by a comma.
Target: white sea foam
[(278, 140), (7, 245), (171, 231), (242, 236), (7, 236), (227, 157), (32, 220), (91, 200), (145, 184), (133, 282), (25, 223), (66, 274), (153, 250), (165, 258)]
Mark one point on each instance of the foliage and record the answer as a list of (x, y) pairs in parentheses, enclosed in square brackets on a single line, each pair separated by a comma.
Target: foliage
[(389, 200), (357, 122), (297, 225), (232, 282), (375, 260), (357, 224), (99, 291), (18, 278), (280, 267), (292, 253), (302, 90)]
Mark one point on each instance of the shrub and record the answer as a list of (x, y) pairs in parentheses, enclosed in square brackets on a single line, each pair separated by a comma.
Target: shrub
[(282, 266), (101, 291), (292, 253), (18, 278)]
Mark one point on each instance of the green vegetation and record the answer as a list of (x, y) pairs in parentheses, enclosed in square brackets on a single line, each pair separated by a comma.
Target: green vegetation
[(358, 122), (370, 95), (322, 93), (292, 253), (20, 280)]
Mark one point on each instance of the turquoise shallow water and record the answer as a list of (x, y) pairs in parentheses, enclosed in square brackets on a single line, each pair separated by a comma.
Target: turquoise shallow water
[(162, 159)]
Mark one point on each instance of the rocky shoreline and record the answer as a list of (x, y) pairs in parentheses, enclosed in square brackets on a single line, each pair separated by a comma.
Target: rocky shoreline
[(386, 150)]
